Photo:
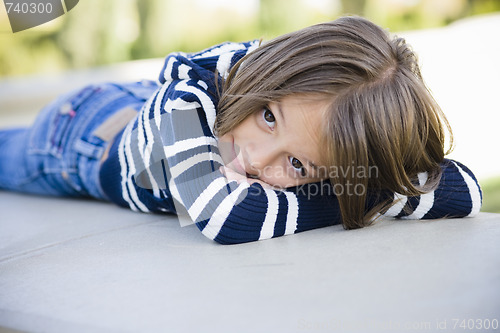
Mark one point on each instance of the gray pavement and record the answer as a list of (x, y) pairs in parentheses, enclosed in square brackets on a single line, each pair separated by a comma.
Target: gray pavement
[(77, 266), (84, 266)]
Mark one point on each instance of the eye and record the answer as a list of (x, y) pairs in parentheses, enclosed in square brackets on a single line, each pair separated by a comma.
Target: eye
[(269, 118), (298, 166)]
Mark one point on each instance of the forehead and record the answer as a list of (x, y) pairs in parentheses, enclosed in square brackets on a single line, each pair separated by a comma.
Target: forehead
[(304, 117)]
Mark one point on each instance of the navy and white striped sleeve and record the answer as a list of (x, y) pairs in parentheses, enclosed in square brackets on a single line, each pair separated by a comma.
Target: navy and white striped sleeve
[(457, 195)]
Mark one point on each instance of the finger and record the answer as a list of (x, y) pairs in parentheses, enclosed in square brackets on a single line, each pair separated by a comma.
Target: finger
[(232, 175)]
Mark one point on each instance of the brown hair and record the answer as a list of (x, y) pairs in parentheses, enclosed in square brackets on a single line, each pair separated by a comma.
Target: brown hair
[(381, 113)]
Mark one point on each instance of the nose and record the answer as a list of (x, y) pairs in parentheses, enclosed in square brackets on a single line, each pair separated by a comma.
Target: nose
[(262, 156)]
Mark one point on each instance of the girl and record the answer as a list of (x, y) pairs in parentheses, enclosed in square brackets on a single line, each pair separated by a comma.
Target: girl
[(330, 124)]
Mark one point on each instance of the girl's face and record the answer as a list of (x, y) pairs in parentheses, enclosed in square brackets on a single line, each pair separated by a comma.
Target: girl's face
[(280, 144)]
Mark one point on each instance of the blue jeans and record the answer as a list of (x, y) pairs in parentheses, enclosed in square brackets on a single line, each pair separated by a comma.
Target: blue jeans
[(60, 154)]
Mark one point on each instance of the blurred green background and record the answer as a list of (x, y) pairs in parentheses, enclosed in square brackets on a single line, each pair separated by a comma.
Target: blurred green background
[(101, 32), (98, 32)]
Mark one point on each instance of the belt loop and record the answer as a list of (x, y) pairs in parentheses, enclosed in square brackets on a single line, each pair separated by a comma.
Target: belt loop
[(88, 149)]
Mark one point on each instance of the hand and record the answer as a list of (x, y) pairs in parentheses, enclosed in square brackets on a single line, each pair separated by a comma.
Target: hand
[(232, 175)]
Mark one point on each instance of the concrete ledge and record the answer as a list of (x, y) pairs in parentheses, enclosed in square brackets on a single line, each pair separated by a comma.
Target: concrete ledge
[(85, 266)]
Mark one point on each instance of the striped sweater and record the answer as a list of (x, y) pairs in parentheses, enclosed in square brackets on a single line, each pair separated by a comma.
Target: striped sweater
[(167, 160)]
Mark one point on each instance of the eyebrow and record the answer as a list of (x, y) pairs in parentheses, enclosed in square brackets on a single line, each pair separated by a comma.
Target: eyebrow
[(281, 114)]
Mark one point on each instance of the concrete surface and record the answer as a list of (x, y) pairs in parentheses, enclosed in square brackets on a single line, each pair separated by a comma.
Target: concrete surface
[(77, 266), (84, 266)]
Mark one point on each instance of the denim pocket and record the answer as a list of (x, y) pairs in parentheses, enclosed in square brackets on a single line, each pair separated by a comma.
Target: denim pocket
[(63, 140), (50, 139), (50, 131)]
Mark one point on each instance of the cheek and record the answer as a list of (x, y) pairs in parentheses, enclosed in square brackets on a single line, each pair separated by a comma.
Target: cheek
[(225, 146), (225, 141)]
